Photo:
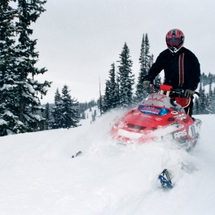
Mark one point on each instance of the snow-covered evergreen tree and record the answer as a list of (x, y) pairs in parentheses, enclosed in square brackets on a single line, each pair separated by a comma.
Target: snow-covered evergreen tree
[(205, 104), (146, 61), (210, 97), (47, 115), (29, 89), (57, 111), (65, 111), (20, 92), (9, 121), (126, 78), (106, 98), (114, 90), (203, 101), (213, 101), (111, 97), (69, 109), (145, 64)]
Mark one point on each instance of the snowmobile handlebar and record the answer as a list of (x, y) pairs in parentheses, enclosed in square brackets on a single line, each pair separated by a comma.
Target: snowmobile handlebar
[(177, 92)]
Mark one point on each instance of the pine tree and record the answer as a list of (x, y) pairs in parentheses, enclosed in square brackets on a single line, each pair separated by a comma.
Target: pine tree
[(106, 98), (29, 89), (144, 61), (202, 101), (111, 98), (210, 96), (69, 109), (20, 93), (57, 111), (9, 121), (100, 100), (213, 101), (117, 91), (126, 78), (47, 116), (114, 98)]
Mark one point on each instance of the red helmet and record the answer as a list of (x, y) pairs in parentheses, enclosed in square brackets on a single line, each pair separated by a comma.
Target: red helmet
[(174, 40)]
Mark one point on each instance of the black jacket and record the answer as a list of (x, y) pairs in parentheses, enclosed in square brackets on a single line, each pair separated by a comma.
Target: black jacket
[(181, 69)]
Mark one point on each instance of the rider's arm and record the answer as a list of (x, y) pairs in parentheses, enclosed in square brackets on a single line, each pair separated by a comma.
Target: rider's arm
[(156, 68)]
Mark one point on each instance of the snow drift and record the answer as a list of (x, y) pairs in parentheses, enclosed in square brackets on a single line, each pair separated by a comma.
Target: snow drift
[(39, 177)]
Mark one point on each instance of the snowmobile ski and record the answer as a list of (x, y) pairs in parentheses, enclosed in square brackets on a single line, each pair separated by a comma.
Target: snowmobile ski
[(77, 154), (165, 179)]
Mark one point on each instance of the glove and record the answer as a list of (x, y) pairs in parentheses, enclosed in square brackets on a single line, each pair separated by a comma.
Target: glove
[(189, 93), (146, 84)]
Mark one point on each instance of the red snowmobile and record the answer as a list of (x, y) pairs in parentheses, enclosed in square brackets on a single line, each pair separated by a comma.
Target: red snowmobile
[(160, 117)]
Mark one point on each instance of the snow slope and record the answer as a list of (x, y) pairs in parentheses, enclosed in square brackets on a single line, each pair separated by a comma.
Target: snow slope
[(39, 177)]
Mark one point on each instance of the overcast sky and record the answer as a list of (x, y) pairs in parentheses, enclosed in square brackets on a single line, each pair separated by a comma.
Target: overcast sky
[(78, 40)]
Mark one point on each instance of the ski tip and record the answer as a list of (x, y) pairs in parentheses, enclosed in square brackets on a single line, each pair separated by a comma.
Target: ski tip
[(165, 179), (77, 154)]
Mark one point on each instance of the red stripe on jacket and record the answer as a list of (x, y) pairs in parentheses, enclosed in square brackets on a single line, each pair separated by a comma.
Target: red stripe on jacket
[(181, 70)]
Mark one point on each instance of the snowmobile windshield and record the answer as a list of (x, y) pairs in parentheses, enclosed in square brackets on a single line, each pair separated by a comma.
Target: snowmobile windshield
[(163, 101), (153, 110)]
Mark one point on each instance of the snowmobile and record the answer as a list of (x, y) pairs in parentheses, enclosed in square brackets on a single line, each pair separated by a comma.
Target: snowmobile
[(161, 116)]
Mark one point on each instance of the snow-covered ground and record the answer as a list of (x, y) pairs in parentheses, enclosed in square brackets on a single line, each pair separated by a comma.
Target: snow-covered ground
[(39, 177)]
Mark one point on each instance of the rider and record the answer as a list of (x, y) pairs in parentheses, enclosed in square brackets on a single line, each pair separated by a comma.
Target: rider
[(181, 67)]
